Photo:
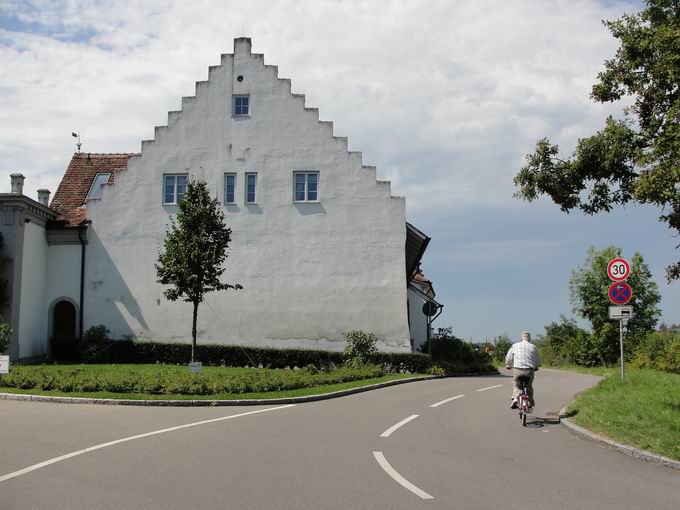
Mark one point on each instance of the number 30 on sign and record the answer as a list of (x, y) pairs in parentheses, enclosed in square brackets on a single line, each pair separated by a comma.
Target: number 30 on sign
[(618, 269)]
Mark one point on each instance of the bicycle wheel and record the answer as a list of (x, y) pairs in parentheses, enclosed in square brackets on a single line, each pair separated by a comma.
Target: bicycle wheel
[(524, 420)]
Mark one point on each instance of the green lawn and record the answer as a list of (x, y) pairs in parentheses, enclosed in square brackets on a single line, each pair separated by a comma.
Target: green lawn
[(643, 410), (154, 382)]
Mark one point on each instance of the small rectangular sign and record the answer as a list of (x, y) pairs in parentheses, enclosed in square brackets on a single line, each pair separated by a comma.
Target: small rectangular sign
[(4, 364), (196, 367), (620, 312)]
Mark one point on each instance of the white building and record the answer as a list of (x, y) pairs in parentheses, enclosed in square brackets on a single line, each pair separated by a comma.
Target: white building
[(320, 246)]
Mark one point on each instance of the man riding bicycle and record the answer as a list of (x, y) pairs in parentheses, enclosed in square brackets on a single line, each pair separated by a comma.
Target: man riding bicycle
[(524, 359)]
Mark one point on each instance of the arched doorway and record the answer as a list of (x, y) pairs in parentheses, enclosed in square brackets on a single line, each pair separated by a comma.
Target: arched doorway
[(64, 320)]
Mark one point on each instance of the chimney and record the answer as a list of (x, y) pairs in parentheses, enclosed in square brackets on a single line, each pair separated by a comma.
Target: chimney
[(44, 197), (17, 184)]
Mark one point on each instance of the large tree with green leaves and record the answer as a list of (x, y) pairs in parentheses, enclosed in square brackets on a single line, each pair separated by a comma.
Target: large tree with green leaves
[(194, 251), (588, 291), (635, 158)]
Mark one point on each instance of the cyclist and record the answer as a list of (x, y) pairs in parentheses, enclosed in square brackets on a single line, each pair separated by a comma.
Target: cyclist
[(524, 359)]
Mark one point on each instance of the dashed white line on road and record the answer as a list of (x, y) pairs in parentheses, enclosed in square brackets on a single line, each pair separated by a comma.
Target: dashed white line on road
[(396, 426), (490, 387), (398, 478), (447, 400), (131, 438)]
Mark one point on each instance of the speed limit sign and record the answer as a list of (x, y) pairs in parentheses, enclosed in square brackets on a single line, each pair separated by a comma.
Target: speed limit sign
[(618, 269)]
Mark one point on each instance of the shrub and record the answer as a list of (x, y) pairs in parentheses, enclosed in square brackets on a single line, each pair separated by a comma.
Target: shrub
[(95, 344), (172, 380), (5, 336), (360, 348), (659, 351)]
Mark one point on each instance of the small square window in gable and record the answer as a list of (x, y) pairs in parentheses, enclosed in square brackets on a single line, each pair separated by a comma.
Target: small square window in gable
[(241, 105)]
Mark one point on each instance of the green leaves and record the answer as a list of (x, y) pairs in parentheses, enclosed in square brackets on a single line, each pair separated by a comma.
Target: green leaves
[(634, 159), (195, 248), (588, 292), (194, 251)]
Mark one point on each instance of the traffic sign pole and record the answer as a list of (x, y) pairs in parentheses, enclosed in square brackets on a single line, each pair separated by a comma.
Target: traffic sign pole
[(619, 293), (621, 344)]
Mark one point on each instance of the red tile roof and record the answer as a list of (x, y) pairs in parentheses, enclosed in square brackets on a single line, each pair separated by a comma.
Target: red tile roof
[(69, 199)]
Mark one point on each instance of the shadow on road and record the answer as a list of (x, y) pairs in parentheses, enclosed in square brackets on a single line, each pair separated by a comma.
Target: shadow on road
[(538, 422)]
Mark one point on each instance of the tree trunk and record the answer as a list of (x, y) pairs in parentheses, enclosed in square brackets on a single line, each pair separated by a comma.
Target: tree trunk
[(193, 333)]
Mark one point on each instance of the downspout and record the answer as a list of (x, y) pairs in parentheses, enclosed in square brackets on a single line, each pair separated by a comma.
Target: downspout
[(81, 229)]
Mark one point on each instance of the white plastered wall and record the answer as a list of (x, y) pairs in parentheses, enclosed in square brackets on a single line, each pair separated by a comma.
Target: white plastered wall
[(33, 317), (63, 278), (310, 271), (417, 319)]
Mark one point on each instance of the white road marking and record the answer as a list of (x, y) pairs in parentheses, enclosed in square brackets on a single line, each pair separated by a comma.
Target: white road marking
[(398, 478), (131, 438), (447, 400), (395, 427), (490, 387)]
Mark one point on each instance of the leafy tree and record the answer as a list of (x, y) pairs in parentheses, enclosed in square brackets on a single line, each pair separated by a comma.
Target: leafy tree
[(633, 159), (194, 251), (502, 345), (564, 342), (588, 290)]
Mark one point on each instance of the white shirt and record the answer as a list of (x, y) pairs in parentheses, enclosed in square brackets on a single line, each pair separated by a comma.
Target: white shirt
[(523, 354)]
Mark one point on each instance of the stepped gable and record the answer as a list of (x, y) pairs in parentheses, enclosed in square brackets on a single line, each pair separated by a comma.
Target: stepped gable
[(69, 199)]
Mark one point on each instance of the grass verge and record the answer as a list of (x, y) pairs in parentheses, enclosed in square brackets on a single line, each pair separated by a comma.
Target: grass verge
[(163, 382), (642, 411)]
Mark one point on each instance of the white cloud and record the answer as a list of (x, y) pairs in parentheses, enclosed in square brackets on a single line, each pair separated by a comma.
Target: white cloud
[(444, 97)]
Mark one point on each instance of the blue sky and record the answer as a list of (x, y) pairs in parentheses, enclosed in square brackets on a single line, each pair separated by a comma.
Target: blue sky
[(445, 98)]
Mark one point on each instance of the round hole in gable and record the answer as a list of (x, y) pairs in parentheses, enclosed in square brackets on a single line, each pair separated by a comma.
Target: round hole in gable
[(240, 78)]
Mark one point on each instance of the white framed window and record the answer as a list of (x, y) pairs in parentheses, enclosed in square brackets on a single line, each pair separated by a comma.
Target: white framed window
[(230, 188), (241, 105), (251, 187), (305, 186), (96, 188), (174, 188)]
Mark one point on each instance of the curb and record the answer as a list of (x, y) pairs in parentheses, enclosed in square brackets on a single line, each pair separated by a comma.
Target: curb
[(210, 403), (623, 448)]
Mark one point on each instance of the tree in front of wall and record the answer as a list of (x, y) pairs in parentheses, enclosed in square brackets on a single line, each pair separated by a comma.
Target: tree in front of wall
[(634, 158), (588, 291), (194, 251)]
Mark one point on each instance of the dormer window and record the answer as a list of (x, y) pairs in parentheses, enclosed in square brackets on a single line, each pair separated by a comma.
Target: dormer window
[(96, 188), (241, 106)]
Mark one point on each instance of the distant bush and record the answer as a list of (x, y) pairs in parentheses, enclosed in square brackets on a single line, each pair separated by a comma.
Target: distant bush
[(501, 348), (361, 348), (457, 357), (659, 351)]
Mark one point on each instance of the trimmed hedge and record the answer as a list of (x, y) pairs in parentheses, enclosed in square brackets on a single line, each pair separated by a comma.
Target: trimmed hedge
[(130, 351), (174, 380)]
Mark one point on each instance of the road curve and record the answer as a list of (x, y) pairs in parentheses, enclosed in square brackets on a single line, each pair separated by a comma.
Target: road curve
[(461, 447)]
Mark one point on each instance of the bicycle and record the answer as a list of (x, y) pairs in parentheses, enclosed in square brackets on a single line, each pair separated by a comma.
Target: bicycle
[(523, 400)]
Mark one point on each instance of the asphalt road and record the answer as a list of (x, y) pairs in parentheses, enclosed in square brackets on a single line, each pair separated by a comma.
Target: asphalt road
[(348, 453)]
